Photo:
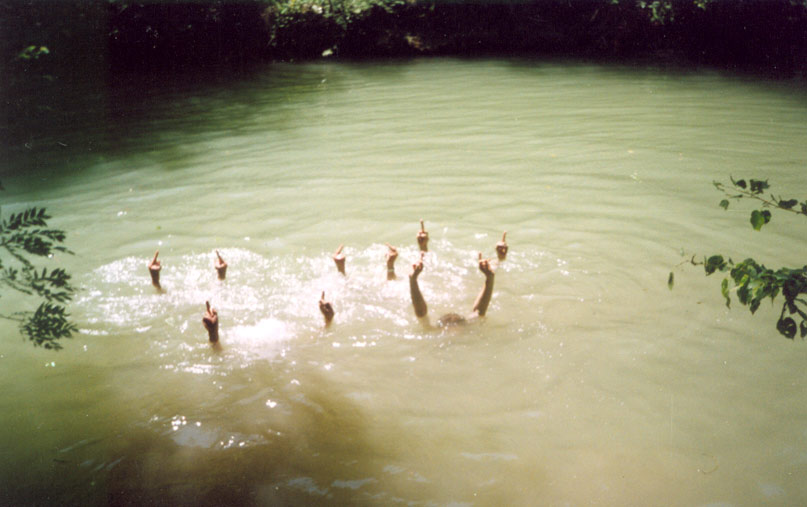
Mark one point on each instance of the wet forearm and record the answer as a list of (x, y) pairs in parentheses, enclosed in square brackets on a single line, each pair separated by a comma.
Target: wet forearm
[(483, 299), (417, 298)]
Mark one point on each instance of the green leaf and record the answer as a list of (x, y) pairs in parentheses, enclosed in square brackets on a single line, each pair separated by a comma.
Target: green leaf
[(791, 307), (724, 289), (714, 263), (743, 292), (739, 183), (760, 218), (791, 288), (25, 54), (33, 52), (786, 327), (724, 204), (803, 328), (788, 204), (758, 186), (671, 281)]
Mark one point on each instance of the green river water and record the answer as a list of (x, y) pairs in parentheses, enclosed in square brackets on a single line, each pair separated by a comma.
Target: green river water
[(589, 382)]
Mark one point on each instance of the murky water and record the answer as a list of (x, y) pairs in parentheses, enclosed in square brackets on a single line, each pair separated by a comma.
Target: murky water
[(589, 382)]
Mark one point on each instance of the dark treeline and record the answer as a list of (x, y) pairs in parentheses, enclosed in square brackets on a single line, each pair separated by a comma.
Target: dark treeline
[(47, 47), (134, 35), (768, 34)]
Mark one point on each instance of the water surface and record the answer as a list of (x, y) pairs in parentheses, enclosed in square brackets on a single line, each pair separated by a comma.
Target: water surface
[(589, 381)]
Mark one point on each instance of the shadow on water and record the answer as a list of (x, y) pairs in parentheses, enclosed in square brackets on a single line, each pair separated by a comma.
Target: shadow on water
[(121, 115), (320, 451), (308, 458), (117, 116)]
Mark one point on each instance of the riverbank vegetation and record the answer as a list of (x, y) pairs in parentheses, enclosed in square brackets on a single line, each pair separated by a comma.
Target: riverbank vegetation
[(763, 34)]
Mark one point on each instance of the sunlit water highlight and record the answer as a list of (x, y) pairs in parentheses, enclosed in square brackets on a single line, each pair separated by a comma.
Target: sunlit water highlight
[(589, 382)]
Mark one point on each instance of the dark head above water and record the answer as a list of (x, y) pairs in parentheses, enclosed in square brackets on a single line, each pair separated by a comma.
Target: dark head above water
[(451, 320)]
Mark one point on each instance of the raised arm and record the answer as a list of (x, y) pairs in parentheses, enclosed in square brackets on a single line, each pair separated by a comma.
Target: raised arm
[(501, 247), (423, 238), (483, 299), (417, 298), (339, 259), (221, 266), (392, 255), (211, 323), (154, 270), (326, 308)]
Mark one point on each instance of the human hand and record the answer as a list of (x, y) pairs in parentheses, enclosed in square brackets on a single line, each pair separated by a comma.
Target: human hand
[(211, 322), (423, 238), (339, 259), (326, 308), (154, 270), (154, 265), (484, 266), (392, 255), (220, 265), (417, 267), (501, 247)]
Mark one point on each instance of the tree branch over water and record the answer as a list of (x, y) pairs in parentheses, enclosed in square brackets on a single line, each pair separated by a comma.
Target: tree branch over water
[(750, 281), (23, 235)]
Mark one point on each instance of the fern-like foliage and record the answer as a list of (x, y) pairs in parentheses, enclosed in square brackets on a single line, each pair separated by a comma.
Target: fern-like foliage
[(28, 218), (48, 324), (23, 236)]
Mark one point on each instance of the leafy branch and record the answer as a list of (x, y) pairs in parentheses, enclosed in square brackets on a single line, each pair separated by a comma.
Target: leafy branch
[(754, 189), (47, 324), (751, 281), (33, 53), (23, 235)]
